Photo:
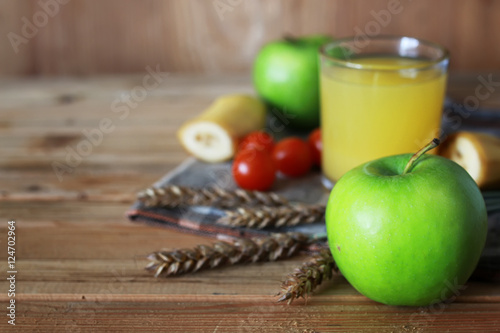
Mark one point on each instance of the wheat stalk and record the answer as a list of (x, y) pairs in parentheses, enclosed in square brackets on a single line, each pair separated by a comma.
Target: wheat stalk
[(241, 250), (173, 196), (264, 217), (308, 276)]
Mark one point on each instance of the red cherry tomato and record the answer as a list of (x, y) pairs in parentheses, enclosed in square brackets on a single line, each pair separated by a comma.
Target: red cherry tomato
[(292, 157), (316, 146), (258, 140), (254, 169)]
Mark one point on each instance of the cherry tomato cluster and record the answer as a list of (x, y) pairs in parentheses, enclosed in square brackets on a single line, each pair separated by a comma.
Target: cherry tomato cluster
[(259, 158)]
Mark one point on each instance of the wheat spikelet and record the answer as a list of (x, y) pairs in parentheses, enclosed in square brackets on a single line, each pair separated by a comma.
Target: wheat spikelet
[(241, 250), (264, 217), (308, 276), (173, 195)]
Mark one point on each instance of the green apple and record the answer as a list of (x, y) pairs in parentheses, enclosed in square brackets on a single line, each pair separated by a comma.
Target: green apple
[(286, 76), (407, 230)]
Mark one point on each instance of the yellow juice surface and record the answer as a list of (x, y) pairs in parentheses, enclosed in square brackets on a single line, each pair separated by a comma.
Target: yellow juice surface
[(389, 106)]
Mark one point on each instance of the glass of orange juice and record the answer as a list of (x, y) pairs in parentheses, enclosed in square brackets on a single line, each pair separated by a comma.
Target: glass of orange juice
[(379, 97)]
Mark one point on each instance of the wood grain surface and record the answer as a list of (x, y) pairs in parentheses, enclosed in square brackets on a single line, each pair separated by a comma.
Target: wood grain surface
[(78, 37), (80, 261)]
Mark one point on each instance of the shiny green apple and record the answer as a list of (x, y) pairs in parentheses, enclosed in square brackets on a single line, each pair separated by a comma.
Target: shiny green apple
[(286, 76), (407, 233)]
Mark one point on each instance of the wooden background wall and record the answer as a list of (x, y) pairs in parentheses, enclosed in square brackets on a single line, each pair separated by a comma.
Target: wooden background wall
[(83, 37)]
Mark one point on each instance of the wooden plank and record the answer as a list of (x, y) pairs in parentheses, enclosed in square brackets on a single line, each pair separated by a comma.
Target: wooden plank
[(53, 142), (38, 129), (115, 279), (252, 316), (111, 240), (17, 56), (90, 99), (67, 93), (122, 36), (65, 215), (104, 279), (83, 230), (110, 184)]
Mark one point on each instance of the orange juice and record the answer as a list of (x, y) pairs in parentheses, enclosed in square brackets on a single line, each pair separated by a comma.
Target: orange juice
[(378, 106)]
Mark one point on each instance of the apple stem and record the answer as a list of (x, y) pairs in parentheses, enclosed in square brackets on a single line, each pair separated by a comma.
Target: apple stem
[(413, 160), (291, 39)]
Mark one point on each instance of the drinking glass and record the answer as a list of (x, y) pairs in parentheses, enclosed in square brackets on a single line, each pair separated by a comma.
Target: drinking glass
[(378, 98)]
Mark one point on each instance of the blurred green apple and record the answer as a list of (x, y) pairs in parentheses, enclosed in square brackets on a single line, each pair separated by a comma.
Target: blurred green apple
[(407, 233), (286, 76)]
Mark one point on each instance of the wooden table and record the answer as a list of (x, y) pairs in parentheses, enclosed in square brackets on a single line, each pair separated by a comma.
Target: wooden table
[(80, 262)]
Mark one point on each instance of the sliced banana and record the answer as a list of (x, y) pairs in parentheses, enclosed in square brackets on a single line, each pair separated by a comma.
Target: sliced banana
[(213, 136), (478, 153), (208, 141)]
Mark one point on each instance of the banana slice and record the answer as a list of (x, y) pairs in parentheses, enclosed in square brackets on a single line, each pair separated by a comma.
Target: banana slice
[(478, 153), (213, 136)]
